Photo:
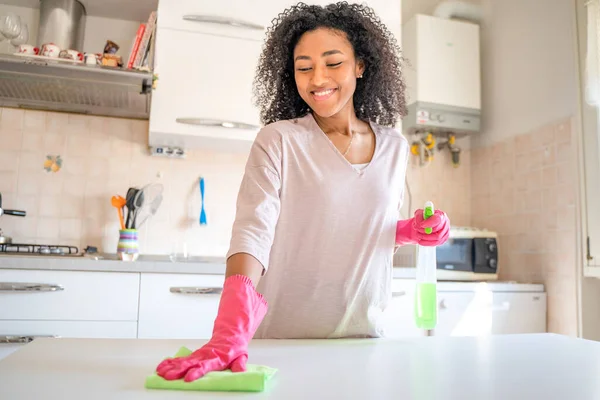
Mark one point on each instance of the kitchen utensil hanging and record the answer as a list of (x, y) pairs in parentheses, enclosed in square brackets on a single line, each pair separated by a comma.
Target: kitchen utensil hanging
[(202, 210), (146, 202)]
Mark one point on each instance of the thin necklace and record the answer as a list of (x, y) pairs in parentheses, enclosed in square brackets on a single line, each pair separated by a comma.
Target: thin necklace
[(349, 144)]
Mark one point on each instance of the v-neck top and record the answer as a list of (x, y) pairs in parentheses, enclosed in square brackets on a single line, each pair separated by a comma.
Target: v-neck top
[(323, 230)]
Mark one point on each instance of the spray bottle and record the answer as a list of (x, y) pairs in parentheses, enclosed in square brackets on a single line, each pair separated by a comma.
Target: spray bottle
[(426, 290)]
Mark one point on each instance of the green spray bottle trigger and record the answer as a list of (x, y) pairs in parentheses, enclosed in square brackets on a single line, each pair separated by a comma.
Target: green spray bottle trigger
[(428, 212)]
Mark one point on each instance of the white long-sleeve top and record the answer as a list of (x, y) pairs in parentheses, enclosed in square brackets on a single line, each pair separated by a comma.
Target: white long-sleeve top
[(323, 230)]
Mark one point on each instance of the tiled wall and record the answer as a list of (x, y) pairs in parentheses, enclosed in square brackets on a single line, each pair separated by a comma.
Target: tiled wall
[(525, 189), (102, 157), (448, 187)]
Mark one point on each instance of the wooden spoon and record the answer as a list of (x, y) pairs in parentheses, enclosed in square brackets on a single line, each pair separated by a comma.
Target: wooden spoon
[(119, 202)]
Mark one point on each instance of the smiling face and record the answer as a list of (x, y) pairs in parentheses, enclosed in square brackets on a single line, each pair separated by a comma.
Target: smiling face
[(325, 70)]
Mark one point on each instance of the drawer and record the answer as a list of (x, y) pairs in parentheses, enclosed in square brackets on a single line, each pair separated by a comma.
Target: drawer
[(200, 100), (483, 312), (178, 306), (15, 334), (68, 295), (234, 18), (399, 318)]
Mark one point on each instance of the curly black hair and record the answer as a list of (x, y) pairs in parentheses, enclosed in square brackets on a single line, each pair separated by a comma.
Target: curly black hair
[(379, 96)]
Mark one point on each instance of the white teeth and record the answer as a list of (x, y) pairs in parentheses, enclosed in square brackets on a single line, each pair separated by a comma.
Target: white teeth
[(324, 92)]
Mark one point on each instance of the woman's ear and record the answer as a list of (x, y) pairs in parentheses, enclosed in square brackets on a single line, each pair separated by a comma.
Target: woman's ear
[(360, 68)]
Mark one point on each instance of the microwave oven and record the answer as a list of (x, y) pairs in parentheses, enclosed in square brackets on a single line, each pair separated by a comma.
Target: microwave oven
[(469, 254)]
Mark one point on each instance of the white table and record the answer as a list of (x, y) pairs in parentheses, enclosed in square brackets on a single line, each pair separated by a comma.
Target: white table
[(537, 366)]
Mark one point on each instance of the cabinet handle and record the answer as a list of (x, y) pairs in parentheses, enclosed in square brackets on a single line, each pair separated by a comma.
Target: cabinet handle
[(214, 19), (16, 339), (398, 294), (443, 305), (28, 287), (196, 290), (216, 122)]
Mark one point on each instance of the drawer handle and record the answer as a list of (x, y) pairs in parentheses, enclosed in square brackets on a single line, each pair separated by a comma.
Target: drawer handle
[(214, 19), (217, 123), (16, 339), (28, 287), (398, 294), (196, 290)]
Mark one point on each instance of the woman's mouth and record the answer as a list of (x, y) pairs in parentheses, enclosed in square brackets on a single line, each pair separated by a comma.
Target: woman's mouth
[(323, 94)]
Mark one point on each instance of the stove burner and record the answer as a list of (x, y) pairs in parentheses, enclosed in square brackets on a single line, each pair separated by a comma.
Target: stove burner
[(38, 249)]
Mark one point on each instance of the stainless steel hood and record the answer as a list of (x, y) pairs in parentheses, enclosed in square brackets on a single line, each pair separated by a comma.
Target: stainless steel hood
[(60, 85)]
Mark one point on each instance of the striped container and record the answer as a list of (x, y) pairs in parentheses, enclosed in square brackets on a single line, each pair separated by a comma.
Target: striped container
[(128, 246)]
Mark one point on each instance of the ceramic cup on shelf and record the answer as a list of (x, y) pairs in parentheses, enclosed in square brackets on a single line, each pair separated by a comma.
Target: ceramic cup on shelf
[(28, 49), (128, 247), (50, 50), (73, 55)]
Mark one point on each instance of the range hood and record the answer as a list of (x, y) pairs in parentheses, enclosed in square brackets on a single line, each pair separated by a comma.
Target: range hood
[(62, 85)]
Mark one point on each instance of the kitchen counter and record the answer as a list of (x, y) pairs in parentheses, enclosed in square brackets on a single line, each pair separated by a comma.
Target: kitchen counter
[(537, 366), (110, 263)]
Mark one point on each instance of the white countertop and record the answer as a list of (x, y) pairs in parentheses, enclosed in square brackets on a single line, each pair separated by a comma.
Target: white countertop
[(537, 366)]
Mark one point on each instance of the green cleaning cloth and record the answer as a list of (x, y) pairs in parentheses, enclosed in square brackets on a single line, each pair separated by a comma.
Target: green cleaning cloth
[(254, 379)]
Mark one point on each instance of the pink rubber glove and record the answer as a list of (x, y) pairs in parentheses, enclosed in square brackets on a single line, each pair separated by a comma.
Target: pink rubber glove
[(241, 310), (412, 231)]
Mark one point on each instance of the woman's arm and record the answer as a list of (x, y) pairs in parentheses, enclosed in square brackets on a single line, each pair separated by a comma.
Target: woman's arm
[(244, 264)]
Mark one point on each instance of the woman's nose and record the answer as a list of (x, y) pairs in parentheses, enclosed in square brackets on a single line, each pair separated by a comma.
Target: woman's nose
[(320, 76)]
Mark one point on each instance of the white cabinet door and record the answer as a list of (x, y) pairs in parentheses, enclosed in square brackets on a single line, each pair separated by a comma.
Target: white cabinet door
[(204, 90), (68, 295), (389, 11), (519, 313), (484, 312), (178, 306), (399, 319), (15, 334), (234, 18)]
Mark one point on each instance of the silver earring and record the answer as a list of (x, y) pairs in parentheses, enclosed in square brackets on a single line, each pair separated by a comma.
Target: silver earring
[(360, 76)]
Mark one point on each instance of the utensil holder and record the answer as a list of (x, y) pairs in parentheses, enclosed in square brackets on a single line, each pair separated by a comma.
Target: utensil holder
[(128, 248)]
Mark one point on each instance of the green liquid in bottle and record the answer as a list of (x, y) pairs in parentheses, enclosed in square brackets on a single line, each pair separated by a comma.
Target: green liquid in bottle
[(426, 305)]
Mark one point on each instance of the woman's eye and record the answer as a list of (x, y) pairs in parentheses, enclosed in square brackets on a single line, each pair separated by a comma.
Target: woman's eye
[(304, 69), (334, 65)]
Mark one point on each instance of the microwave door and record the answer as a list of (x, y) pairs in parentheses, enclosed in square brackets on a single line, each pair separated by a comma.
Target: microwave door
[(456, 255)]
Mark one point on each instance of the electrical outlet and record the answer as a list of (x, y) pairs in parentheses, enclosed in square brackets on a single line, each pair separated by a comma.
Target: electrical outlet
[(167, 151)]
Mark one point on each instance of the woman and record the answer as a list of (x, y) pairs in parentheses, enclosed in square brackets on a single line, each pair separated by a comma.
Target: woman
[(317, 212)]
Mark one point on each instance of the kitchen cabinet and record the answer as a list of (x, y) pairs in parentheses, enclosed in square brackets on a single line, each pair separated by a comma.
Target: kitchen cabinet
[(36, 303), (15, 334), (178, 306), (204, 93), (484, 312), (232, 18), (68, 295)]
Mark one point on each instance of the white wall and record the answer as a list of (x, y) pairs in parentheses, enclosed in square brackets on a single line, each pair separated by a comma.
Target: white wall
[(97, 31), (528, 62)]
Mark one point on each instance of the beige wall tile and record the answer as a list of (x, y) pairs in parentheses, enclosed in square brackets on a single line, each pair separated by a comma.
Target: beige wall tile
[(12, 119), (49, 206), (11, 139), (9, 161), (34, 121)]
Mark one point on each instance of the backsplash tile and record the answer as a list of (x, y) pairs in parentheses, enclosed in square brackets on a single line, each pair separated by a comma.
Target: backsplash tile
[(534, 214)]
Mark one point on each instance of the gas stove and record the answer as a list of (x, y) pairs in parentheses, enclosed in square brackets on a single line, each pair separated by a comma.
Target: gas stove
[(39, 250)]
